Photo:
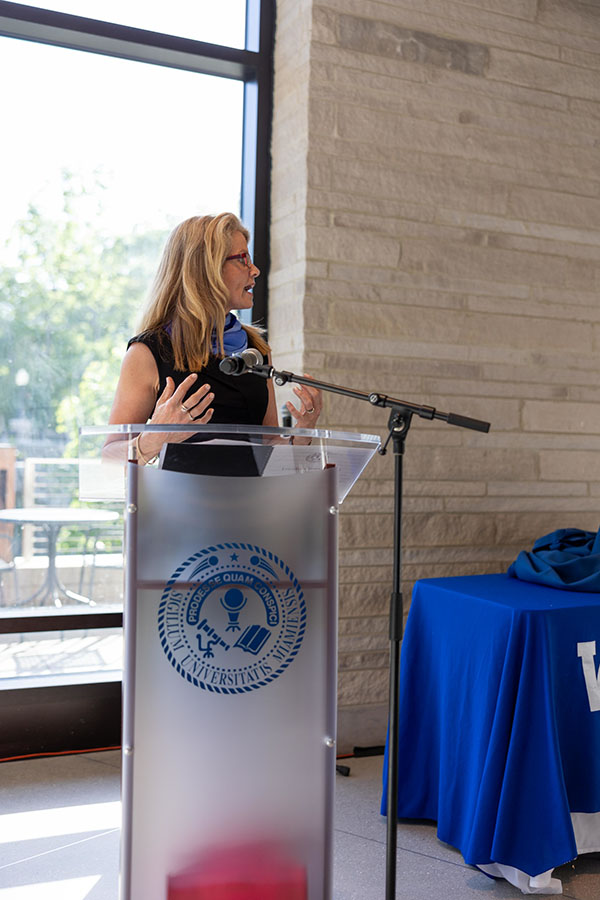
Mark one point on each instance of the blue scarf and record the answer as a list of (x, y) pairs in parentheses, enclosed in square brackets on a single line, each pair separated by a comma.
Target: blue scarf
[(235, 339)]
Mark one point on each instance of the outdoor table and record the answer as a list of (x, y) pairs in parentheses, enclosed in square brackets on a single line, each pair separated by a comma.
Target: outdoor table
[(52, 519), (499, 730)]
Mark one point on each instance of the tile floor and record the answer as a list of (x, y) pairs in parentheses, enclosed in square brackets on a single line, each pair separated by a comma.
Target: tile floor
[(59, 839)]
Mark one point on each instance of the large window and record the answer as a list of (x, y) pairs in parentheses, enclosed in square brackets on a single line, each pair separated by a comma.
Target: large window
[(114, 132), (221, 22)]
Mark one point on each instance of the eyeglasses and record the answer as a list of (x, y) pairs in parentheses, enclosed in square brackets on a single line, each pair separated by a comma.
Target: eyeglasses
[(243, 257)]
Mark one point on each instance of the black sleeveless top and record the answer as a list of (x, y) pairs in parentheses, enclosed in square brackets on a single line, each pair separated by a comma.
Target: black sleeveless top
[(239, 399)]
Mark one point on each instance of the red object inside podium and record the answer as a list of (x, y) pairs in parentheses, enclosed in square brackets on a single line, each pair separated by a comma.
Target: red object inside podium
[(241, 873)]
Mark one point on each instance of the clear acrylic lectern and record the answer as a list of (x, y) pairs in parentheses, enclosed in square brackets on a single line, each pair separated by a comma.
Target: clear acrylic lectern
[(229, 712)]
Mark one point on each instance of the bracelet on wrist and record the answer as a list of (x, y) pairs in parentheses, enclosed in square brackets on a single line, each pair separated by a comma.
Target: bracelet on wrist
[(140, 455)]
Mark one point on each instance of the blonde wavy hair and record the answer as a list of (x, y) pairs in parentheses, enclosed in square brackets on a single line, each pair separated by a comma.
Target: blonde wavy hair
[(189, 294)]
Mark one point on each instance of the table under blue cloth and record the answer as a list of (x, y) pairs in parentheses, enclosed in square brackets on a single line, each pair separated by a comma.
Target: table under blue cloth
[(499, 741)]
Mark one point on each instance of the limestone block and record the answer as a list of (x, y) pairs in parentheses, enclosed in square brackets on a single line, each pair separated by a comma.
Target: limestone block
[(386, 504), (537, 489), (538, 309), (364, 686), (366, 531), (376, 557), (458, 326), (363, 660), (535, 373), (434, 387), (411, 574), (344, 243), (447, 529), (501, 108), (394, 182), (536, 441), (457, 260), (320, 217), (521, 529), (354, 572), (321, 118), (444, 489), (588, 108), (547, 75), (369, 485), (388, 207), (570, 417), (570, 465), (371, 599), (385, 39), (456, 555), (404, 370), (554, 207), (378, 65), (575, 16), (365, 75), (520, 504), (363, 626), (585, 394), (488, 237), (523, 229), (417, 135), (319, 171), (462, 462), (324, 22), (580, 58), (486, 18), (366, 640)]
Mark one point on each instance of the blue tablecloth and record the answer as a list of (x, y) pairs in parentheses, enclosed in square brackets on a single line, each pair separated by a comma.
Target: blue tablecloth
[(498, 739)]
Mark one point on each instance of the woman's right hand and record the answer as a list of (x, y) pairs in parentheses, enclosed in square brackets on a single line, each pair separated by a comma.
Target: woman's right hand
[(172, 409)]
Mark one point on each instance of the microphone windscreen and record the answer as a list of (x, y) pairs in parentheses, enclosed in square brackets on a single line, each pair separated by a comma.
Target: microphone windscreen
[(231, 365), (252, 357), (242, 362)]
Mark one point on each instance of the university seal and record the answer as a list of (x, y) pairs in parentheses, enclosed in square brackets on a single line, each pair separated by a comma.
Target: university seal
[(232, 618)]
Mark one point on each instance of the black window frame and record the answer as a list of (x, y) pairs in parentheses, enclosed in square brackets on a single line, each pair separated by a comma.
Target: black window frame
[(38, 732)]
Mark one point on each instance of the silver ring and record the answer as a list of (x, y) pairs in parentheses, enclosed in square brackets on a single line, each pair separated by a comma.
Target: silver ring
[(311, 410), (190, 415), (184, 408)]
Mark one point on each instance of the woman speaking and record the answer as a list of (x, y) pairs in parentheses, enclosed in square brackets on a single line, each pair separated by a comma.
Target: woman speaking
[(170, 373)]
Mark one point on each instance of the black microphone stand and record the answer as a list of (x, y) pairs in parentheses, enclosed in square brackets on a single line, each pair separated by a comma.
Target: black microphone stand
[(399, 423)]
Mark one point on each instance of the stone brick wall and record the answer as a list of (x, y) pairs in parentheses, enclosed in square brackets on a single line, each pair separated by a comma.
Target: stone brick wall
[(436, 237)]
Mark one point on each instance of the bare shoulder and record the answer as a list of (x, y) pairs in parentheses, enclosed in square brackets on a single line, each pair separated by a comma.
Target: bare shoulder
[(137, 388), (139, 358)]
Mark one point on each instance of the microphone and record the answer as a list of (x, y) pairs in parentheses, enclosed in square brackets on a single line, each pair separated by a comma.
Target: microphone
[(242, 362)]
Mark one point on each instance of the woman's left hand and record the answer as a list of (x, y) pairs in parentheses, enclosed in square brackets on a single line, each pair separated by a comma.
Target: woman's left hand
[(311, 404)]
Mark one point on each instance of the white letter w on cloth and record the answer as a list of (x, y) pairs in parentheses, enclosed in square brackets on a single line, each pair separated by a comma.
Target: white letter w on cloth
[(587, 651)]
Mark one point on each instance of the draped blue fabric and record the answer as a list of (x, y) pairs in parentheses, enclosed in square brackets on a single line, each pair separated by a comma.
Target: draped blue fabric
[(235, 339), (567, 558), (497, 739)]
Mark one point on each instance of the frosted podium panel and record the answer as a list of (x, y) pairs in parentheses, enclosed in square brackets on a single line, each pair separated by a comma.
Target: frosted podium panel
[(230, 686)]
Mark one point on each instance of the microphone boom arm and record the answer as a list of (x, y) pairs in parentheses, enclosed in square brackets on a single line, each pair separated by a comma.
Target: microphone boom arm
[(403, 407)]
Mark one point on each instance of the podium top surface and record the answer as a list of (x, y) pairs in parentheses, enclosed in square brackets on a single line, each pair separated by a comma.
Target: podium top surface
[(233, 430), (219, 451)]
